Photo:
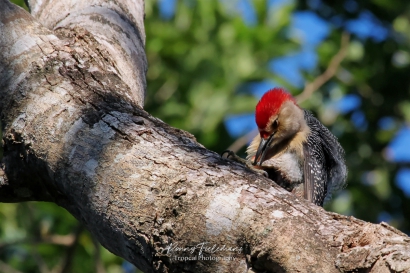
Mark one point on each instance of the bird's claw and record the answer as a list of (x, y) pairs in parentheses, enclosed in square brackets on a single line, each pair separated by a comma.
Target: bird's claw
[(228, 152), (231, 155), (262, 172)]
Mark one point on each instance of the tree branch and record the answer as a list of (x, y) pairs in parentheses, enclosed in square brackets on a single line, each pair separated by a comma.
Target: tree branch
[(98, 263), (329, 72), (7, 269), (3, 177), (63, 240), (69, 255), (239, 143), (75, 134), (124, 46)]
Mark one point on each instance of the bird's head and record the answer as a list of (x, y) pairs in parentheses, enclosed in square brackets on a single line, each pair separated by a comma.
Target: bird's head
[(278, 118)]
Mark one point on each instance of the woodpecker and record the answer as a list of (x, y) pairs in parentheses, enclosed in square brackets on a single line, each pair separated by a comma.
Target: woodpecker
[(295, 150)]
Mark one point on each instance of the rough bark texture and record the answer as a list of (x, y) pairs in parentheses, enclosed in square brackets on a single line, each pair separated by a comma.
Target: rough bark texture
[(71, 92), (117, 26)]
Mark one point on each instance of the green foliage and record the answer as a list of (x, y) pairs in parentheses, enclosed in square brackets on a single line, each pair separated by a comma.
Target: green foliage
[(199, 60), (40, 237), (20, 3), (199, 63)]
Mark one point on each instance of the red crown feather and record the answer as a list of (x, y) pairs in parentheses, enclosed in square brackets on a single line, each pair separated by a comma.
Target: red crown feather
[(270, 104)]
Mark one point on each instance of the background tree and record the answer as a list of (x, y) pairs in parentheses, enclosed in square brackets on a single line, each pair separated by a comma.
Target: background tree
[(206, 65)]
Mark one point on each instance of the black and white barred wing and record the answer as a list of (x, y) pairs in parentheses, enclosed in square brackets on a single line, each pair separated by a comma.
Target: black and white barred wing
[(315, 173), (325, 149)]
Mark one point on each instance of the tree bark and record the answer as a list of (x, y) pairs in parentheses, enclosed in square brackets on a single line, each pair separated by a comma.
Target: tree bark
[(75, 133)]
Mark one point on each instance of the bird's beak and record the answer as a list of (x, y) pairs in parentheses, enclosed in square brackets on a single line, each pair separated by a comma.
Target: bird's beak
[(262, 149)]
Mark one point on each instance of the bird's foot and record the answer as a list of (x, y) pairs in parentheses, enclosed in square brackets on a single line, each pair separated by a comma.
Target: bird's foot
[(231, 155)]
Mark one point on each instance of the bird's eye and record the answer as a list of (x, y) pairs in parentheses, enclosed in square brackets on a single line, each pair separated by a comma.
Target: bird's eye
[(275, 125)]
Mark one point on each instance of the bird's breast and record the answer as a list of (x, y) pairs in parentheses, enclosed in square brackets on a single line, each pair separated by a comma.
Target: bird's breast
[(288, 164)]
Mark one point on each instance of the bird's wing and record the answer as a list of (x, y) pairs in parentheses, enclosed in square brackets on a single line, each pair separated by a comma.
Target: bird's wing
[(315, 173), (331, 153)]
